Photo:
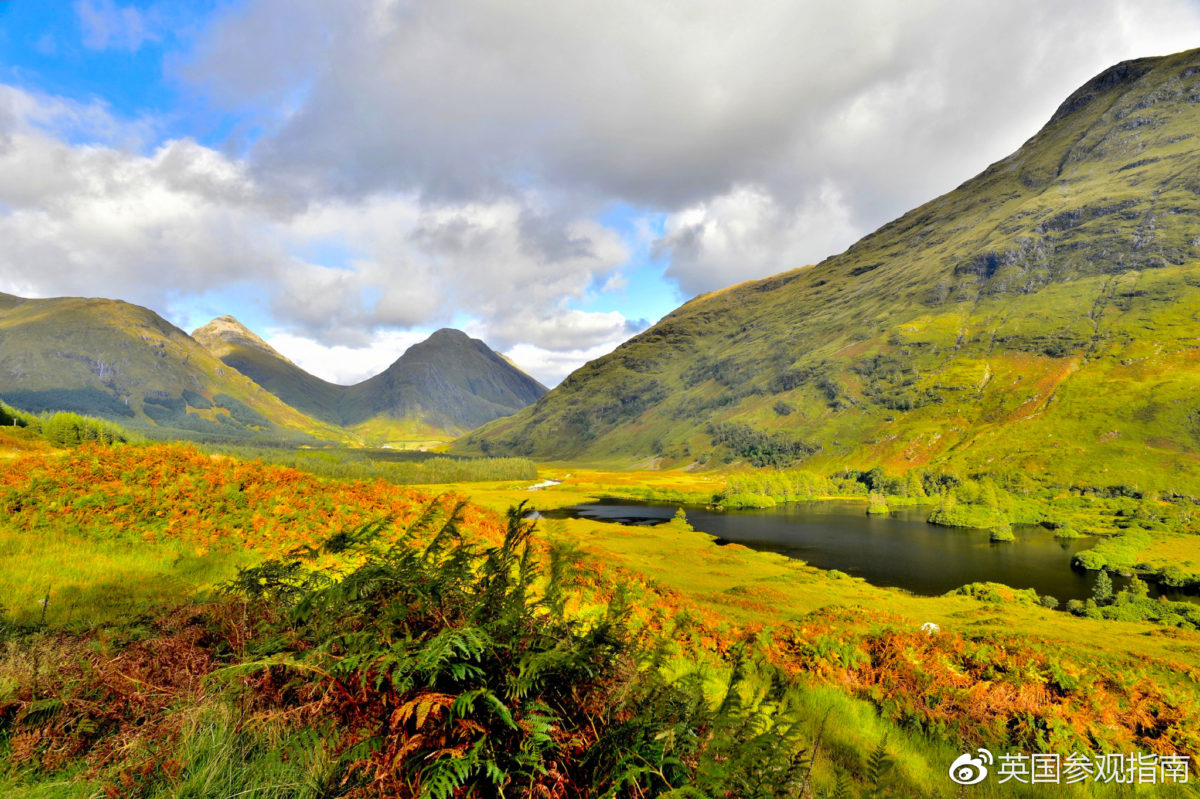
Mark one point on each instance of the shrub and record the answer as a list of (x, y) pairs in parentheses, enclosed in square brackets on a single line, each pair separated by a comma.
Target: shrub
[(730, 501), (71, 430), (11, 417)]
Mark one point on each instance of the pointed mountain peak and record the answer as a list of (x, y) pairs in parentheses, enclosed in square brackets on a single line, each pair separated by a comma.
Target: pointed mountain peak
[(449, 348), (448, 334), (446, 342), (225, 333)]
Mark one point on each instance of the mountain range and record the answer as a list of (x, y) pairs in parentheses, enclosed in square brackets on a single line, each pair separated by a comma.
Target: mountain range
[(1043, 317), (120, 361), (449, 383)]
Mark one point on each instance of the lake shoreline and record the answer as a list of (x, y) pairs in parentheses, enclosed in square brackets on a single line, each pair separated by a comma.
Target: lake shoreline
[(902, 549)]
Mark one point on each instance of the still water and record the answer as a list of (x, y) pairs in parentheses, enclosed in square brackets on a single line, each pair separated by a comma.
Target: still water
[(901, 550)]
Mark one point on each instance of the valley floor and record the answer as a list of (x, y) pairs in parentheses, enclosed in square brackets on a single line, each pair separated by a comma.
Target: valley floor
[(726, 580), (108, 535)]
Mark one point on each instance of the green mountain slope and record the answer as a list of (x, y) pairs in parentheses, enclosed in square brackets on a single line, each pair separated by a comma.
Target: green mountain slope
[(1042, 317), (441, 387), (452, 381), (236, 346), (120, 361)]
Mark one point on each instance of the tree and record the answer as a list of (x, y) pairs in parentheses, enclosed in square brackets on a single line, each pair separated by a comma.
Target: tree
[(1102, 590), (679, 520), (912, 484), (876, 479)]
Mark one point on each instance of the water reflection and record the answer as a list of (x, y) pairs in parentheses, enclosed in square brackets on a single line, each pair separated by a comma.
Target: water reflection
[(901, 550)]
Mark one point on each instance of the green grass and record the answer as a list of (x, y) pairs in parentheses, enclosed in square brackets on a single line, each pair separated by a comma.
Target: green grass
[(395, 466), (1115, 554), (217, 756), (95, 581), (570, 702)]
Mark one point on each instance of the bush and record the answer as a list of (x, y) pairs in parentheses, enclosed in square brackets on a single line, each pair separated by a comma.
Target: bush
[(1002, 534), (1087, 559), (730, 501), (422, 667), (11, 417), (997, 592), (780, 485), (1134, 604), (951, 512), (71, 430)]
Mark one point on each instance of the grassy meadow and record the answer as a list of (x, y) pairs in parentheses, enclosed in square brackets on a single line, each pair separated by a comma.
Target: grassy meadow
[(183, 622)]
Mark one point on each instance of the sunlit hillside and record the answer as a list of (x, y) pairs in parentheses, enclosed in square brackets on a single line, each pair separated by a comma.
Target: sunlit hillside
[(1042, 318)]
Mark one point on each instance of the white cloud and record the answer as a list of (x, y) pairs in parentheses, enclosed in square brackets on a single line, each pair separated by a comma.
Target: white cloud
[(502, 262), (567, 330), (95, 220), (185, 220), (420, 163), (65, 120), (342, 364), (571, 339), (107, 25), (347, 365), (747, 234), (549, 367), (668, 107)]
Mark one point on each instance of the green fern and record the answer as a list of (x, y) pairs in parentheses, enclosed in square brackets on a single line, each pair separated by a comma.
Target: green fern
[(879, 767), (427, 617)]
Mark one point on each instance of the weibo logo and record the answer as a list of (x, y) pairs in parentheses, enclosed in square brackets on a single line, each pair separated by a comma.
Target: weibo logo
[(971, 770)]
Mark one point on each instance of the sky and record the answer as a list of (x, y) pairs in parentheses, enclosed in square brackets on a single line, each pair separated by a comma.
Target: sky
[(551, 177)]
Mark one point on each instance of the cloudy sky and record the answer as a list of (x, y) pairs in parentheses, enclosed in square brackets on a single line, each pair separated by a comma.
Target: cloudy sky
[(552, 177)]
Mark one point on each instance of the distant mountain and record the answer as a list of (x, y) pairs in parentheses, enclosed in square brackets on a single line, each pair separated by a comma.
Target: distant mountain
[(450, 379), (1042, 318), (443, 386), (237, 347), (120, 361)]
